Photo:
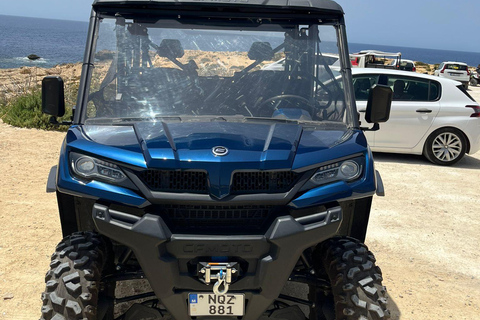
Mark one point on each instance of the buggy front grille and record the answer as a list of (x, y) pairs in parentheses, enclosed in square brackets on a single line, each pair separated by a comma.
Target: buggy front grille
[(218, 218), (175, 181), (263, 181)]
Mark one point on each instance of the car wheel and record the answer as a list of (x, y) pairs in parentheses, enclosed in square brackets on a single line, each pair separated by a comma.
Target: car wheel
[(445, 146), (473, 82), (466, 86), (356, 283), (74, 289)]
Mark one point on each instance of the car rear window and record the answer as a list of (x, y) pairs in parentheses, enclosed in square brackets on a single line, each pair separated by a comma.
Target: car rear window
[(462, 88), (454, 66)]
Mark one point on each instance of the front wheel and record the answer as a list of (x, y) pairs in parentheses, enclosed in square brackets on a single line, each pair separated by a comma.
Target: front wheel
[(473, 82), (445, 146), (73, 284), (356, 283)]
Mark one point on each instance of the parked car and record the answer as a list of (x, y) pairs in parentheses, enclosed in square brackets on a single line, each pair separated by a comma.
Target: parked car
[(219, 185), (454, 70), (474, 78), (432, 116), (375, 59), (404, 64)]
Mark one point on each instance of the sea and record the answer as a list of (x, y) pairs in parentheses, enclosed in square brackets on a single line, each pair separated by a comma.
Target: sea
[(60, 41)]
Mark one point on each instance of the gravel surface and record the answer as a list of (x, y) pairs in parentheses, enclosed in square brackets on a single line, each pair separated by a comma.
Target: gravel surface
[(424, 232)]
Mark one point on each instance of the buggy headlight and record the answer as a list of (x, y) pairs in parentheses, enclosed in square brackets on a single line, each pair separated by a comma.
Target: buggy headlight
[(348, 170), (91, 168)]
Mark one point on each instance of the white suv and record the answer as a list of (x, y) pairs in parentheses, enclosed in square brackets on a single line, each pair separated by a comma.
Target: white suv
[(454, 70)]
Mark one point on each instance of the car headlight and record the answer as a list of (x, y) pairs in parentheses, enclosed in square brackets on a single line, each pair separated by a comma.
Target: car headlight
[(91, 168), (348, 170)]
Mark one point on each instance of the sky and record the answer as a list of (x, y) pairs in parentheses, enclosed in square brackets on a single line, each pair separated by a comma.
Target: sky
[(432, 24)]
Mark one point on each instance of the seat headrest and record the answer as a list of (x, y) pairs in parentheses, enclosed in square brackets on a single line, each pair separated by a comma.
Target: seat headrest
[(170, 48), (260, 51), (362, 84)]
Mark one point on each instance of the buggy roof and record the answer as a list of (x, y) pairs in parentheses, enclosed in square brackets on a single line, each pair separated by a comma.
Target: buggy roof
[(284, 5)]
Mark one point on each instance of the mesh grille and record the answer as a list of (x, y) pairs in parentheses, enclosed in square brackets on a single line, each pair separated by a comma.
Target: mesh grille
[(175, 181), (199, 217), (260, 181)]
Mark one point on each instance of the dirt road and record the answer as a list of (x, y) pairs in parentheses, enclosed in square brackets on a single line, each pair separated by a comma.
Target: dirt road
[(424, 232)]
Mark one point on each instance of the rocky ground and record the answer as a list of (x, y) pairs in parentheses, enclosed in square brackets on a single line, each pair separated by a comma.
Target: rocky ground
[(424, 232)]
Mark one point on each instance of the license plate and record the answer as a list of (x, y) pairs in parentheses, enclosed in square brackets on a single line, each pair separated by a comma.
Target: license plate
[(209, 304), (455, 74)]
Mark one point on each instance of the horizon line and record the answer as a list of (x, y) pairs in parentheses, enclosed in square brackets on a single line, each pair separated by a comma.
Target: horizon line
[(352, 42)]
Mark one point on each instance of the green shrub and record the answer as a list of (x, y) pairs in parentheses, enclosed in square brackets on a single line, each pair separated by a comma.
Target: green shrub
[(421, 64), (26, 111)]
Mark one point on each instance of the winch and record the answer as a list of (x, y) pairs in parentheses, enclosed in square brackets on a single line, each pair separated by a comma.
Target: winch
[(225, 273)]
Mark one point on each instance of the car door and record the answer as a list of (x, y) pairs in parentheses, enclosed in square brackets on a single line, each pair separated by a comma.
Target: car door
[(414, 107)]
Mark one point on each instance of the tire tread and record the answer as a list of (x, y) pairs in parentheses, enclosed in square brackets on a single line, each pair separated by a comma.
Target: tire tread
[(72, 281), (356, 281)]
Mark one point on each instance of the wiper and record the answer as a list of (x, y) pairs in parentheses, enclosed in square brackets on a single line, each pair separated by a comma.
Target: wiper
[(179, 118), (131, 119), (277, 120), (296, 121)]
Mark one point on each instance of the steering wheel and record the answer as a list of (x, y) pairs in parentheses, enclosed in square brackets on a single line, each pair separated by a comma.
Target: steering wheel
[(280, 97), (313, 108), (329, 93)]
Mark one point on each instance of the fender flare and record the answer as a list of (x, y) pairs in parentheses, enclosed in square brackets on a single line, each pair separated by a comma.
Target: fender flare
[(52, 180)]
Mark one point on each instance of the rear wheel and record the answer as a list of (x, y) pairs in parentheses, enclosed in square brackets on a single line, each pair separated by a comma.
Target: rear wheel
[(73, 284), (445, 146), (356, 283)]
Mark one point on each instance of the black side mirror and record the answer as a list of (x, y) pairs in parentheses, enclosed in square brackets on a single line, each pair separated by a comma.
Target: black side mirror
[(53, 96), (379, 104)]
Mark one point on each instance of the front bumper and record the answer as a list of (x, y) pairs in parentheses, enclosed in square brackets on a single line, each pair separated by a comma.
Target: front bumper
[(164, 257)]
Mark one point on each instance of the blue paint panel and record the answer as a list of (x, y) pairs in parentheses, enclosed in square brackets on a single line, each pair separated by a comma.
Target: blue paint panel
[(188, 145)]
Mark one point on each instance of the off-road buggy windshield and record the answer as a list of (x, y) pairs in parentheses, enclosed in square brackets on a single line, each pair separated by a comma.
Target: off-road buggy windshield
[(160, 69)]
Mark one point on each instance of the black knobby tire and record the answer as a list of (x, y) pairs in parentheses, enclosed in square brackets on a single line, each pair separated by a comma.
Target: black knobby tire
[(356, 292), (457, 146), (73, 281)]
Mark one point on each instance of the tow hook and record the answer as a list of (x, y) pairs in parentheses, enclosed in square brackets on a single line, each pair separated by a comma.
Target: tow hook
[(224, 272)]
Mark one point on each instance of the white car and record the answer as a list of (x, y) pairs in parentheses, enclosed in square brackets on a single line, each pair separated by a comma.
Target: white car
[(432, 116), (454, 70)]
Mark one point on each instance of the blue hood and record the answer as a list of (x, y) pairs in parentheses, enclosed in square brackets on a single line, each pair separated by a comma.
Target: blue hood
[(251, 146)]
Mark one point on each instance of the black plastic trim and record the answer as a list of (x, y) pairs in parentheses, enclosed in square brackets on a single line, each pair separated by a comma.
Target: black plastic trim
[(163, 256), (156, 197), (52, 180), (380, 189)]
